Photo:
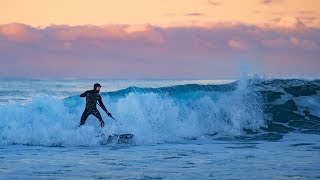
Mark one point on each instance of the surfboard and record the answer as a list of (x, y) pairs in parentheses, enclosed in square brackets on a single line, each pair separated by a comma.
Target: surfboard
[(117, 139)]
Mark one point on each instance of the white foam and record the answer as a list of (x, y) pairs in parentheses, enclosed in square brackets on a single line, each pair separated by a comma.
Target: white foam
[(151, 117)]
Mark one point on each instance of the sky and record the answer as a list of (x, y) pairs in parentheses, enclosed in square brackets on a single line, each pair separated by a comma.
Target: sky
[(199, 39)]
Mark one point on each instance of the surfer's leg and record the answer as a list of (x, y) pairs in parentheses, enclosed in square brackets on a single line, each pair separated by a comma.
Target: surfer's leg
[(97, 114), (84, 116)]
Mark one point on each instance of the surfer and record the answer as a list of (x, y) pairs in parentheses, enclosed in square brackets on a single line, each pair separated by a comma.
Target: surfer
[(92, 99)]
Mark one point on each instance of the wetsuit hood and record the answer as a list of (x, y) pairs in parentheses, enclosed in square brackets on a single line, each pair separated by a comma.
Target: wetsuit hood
[(95, 86)]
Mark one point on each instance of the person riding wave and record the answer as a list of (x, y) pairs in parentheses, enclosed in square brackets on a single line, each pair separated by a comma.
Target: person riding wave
[(92, 98)]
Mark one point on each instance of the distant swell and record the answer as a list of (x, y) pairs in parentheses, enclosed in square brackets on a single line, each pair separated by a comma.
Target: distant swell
[(254, 109)]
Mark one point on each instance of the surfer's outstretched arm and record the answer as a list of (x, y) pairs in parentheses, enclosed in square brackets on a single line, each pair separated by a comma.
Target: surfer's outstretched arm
[(84, 94), (103, 107)]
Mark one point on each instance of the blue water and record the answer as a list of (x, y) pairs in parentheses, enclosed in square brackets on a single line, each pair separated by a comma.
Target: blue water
[(184, 129)]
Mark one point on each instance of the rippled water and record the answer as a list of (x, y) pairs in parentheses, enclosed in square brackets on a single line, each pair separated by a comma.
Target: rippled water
[(289, 159)]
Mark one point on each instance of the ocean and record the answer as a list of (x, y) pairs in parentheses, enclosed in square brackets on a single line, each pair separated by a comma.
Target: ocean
[(251, 128)]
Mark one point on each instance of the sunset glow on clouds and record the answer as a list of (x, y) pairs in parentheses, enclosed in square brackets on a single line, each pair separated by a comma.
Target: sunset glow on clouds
[(159, 39)]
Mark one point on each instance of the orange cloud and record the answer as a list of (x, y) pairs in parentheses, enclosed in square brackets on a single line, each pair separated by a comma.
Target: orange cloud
[(16, 32), (305, 43), (294, 41), (195, 14), (121, 32), (290, 23), (236, 44), (214, 3), (270, 1)]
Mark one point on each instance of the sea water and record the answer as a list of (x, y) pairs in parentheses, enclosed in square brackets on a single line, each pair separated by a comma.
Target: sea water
[(251, 128)]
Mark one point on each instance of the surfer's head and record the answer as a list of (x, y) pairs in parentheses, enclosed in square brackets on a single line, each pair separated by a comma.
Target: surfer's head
[(97, 87)]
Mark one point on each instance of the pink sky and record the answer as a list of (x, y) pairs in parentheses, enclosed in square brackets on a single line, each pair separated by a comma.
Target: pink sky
[(288, 44)]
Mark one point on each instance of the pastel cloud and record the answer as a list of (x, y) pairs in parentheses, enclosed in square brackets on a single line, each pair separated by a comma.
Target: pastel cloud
[(289, 22), (236, 44), (214, 3), (123, 51), (122, 32), (16, 31), (195, 14), (269, 1), (309, 44)]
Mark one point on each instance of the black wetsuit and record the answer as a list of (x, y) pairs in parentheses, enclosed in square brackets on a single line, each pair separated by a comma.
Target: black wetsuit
[(92, 97)]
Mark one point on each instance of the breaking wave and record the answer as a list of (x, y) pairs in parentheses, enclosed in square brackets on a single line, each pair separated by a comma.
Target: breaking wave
[(248, 109)]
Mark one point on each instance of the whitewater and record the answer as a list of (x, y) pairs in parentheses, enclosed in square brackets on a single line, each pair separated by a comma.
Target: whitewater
[(261, 128)]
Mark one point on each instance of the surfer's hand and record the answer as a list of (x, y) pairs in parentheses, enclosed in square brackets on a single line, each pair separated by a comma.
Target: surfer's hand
[(102, 123)]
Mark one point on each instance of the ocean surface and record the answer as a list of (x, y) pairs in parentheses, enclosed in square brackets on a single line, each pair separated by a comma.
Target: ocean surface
[(251, 128)]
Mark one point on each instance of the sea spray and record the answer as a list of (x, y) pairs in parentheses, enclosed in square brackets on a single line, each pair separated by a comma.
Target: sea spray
[(168, 114)]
